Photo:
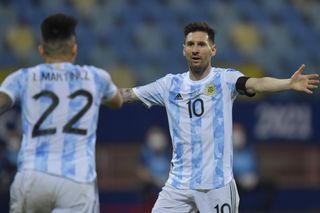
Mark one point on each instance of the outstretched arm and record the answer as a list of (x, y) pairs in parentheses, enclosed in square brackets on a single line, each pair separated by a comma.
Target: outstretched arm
[(297, 82), (5, 102), (128, 95)]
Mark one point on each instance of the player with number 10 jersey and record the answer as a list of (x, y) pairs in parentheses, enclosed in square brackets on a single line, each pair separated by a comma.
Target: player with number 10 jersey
[(198, 112)]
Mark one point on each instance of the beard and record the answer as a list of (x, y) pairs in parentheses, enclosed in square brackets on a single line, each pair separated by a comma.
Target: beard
[(199, 69)]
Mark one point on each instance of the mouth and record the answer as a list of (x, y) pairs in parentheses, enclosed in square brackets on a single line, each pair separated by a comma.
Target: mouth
[(195, 59)]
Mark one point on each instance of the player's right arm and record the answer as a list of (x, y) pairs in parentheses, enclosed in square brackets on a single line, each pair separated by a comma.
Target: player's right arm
[(128, 95), (5, 102), (149, 94), (10, 90)]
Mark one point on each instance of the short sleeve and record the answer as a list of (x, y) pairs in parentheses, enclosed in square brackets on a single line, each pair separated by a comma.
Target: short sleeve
[(109, 89), (11, 86), (153, 93), (232, 76)]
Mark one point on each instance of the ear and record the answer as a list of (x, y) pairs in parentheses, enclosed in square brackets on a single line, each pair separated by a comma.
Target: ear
[(74, 49), (213, 50), (41, 50)]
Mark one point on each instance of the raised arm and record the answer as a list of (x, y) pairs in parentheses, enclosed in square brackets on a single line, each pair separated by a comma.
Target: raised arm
[(297, 82), (128, 95), (5, 102)]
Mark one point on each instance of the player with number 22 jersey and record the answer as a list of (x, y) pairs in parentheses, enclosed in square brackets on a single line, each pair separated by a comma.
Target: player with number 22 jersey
[(57, 139)]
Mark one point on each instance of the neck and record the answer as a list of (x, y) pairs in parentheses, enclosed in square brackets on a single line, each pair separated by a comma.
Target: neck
[(197, 74), (59, 59)]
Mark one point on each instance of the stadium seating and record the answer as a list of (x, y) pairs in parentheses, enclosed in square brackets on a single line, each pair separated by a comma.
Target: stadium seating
[(290, 33)]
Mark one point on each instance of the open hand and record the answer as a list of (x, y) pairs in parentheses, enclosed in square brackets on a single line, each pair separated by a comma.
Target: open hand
[(304, 83)]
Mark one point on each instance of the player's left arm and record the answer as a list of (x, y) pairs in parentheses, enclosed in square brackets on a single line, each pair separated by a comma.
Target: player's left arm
[(297, 82), (5, 102)]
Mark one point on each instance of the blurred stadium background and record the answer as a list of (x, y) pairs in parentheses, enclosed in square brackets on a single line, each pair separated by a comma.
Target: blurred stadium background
[(138, 41)]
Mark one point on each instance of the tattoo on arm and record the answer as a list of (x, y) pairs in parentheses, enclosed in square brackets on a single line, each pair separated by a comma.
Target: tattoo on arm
[(128, 95)]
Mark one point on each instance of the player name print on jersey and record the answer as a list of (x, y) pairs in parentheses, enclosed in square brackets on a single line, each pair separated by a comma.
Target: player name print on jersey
[(61, 76)]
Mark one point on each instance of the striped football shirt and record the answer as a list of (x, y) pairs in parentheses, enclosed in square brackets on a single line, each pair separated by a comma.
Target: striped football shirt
[(200, 122), (60, 105)]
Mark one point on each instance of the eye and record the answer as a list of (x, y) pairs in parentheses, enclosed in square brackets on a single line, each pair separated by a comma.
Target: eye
[(189, 44)]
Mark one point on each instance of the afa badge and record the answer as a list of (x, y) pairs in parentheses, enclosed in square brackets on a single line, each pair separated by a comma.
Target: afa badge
[(210, 90)]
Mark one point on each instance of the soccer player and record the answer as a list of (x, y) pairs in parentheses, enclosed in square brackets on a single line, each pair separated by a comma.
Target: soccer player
[(199, 109), (60, 105)]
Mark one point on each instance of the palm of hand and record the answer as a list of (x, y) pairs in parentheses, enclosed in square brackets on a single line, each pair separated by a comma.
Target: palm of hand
[(304, 83)]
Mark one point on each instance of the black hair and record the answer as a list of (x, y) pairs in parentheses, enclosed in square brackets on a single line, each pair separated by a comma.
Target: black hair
[(199, 27), (58, 27)]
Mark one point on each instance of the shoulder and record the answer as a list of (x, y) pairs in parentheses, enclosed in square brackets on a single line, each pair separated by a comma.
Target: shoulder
[(169, 80), (18, 74), (218, 69), (174, 77), (227, 72), (224, 70), (91, 68), (232, 71), (96, 71)]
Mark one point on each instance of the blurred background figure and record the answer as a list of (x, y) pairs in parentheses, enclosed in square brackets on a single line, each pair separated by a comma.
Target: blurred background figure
[(154, 165), (10, 136), (246, 172), (274, 35), (20, 41)]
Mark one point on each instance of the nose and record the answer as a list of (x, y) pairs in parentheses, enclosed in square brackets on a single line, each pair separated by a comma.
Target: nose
[(195, 49)]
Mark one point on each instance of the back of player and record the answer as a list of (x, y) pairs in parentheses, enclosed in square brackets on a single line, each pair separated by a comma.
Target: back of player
[(60, 104)]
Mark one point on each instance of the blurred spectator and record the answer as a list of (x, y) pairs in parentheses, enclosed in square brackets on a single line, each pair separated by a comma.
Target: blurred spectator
[(20, 40), (4, 180), (146, 30), (277, 35), (83, 6), (10, 135), (122, 76), (8, 155), (246, 172), (246, 38), (12, 147), (154, 165)]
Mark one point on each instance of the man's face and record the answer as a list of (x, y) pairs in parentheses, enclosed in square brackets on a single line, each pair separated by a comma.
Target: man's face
[(198, 50)]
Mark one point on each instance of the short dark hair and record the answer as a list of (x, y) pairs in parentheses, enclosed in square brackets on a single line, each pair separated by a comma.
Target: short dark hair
[(58, 34), (199, 27), (58, 27)]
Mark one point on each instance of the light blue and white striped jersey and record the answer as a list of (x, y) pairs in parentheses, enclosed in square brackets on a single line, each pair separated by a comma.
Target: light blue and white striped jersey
[(60, 105), (200, 121)]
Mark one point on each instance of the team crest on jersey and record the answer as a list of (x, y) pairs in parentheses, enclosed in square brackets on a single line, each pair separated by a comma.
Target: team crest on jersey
[(210, 90)]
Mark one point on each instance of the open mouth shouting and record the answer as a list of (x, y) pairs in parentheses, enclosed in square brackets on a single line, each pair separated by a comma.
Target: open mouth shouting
[(195, 59)]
